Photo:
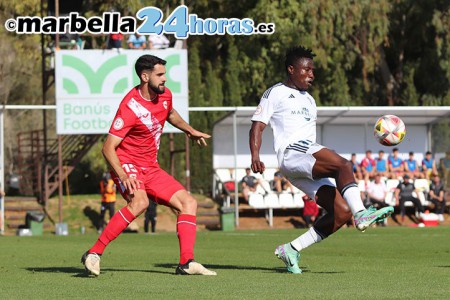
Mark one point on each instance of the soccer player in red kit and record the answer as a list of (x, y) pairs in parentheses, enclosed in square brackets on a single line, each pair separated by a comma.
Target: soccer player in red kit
[(131, 150)]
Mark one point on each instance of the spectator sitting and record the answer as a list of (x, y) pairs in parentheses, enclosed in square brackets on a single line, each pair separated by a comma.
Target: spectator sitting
[(281, 183), (445, 169), (395, 163), (403, 193), (158, 42), (437, 196), (381, 165), (310, 211), (137, 41), (376, 193), (114, 41), (249, 184), (429, 166), (412, 167), (356, 168), (368, 166)]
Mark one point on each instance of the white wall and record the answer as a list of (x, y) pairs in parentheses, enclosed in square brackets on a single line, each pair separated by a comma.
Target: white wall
[(223, 147)]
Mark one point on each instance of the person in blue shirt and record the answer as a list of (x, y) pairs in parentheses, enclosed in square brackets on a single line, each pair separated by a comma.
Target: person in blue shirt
[(429, 166), (412, 167), (396, 168), (368, 166), (137, 41), (381, 165), (356, 169)]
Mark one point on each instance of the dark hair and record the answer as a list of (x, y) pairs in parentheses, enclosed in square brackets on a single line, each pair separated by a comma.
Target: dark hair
[(395, 149), (428, 152), (411, 153), (296, 53), (147, 62)]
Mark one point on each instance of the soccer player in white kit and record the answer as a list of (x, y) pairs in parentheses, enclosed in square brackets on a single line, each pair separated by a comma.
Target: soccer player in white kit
[(292, 113)]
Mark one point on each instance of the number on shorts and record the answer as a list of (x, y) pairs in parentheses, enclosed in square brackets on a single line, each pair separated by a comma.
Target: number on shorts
[(129, 168)]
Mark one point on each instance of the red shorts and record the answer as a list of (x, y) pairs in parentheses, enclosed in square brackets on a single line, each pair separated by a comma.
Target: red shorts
[(158, 185)]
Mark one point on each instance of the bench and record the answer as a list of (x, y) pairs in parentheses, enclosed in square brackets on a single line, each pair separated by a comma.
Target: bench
[(271, 201)]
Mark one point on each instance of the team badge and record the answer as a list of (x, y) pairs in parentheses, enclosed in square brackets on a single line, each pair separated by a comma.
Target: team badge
[(258, 110), (165, 104), (118, 123)]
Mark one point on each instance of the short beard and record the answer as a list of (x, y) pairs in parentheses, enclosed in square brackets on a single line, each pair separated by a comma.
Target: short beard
[(156, 89)]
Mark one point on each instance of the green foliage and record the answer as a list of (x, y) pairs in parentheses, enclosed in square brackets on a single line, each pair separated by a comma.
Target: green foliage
[(368, 53)]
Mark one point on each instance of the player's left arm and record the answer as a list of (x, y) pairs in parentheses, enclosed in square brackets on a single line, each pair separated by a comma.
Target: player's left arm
[(176, 120)]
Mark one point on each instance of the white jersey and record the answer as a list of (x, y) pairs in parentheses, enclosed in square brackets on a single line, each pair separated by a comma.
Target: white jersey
[(292, 115)]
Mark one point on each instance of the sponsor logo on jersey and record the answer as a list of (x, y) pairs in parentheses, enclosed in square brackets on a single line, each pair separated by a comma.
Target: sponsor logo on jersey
[(304, 112), (118, 123), (291, 96), (165, 104)]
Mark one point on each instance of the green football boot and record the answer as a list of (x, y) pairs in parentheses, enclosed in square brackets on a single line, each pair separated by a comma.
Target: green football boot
[(290, 257), (367, 217)]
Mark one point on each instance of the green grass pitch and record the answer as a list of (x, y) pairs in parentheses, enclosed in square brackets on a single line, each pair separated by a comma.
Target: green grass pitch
[(382, 263)]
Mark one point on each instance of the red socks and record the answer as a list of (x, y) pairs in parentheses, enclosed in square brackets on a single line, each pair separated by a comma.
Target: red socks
[(186, 231), (116, 225)]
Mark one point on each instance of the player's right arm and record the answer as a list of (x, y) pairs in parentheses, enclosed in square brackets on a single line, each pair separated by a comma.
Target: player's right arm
[(260, 119), (255, 145), (109, 152)]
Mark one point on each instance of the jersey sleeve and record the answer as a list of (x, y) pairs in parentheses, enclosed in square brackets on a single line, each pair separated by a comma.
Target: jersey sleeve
[(265, 109), (124, 120)]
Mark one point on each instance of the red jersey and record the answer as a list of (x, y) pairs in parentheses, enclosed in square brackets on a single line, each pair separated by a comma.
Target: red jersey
[(139, 123)]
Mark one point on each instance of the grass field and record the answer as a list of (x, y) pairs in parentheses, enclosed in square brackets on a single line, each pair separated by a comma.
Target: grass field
[(382, 263)]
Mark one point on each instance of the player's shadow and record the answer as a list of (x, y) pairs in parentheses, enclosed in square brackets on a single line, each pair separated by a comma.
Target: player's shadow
[(216, 267), (93, 215), (296, 223), (80, 272), (228, 267)]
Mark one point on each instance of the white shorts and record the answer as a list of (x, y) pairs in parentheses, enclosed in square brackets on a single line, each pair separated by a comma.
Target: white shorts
[(297, 164)]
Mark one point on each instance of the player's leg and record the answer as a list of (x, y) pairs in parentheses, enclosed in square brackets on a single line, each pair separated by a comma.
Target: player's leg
[(137, 204), (117, 224), (329, 164), (170, 192), (337, 214), (324, 189)]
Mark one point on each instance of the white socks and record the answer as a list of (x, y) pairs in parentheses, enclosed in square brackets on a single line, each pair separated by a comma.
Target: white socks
[(305, 240), (352, 195)]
